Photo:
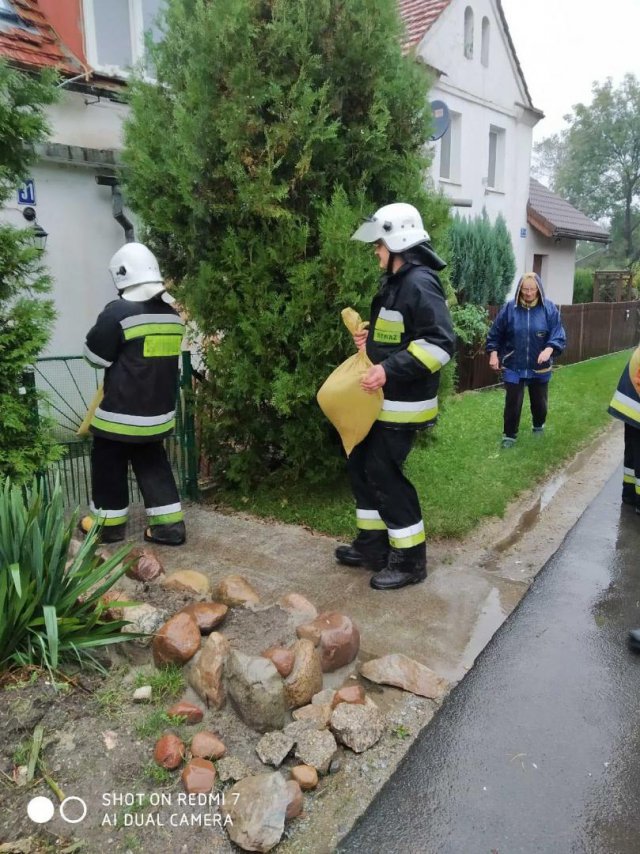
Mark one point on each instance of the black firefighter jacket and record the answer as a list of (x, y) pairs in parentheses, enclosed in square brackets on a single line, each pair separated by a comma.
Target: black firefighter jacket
[(138, 344), (411, 336)]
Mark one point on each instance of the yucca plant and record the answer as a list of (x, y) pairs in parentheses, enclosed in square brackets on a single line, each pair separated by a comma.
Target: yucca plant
[(50, 606)]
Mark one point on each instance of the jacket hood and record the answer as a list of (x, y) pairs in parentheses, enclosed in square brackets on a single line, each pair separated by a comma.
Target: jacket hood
[(538, 282), (424, 255)]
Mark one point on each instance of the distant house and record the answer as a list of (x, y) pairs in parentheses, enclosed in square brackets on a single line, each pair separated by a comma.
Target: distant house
[(555, 226), (483, 161), (90, 43)]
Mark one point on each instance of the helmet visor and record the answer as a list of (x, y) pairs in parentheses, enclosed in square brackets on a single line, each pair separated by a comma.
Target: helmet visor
[(370, 231)]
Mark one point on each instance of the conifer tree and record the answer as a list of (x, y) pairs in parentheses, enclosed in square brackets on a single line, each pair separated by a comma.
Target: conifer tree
[(273, 128), (26, 315)]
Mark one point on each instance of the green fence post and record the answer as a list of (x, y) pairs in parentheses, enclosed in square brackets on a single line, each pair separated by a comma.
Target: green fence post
[(189, 429)]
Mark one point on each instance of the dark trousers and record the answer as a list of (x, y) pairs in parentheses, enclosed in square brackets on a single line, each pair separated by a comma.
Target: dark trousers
[(631, 476), (538, 396), (109, 481), (386, 501)]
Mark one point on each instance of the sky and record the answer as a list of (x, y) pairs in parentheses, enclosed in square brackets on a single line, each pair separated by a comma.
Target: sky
[(565, 45)]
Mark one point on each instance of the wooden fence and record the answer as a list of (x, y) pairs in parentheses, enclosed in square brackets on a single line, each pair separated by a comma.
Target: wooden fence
[(593, 329)]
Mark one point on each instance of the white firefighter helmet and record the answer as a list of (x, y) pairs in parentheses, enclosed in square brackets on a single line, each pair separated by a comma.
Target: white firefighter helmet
[(136, 273), (398, 226)]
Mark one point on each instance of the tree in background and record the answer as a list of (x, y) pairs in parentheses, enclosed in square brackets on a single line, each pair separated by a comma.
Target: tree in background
[(273, 128), (25, 316), (482, 260), (595, 163)]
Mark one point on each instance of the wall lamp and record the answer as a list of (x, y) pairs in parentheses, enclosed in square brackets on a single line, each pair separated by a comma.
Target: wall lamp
[(39, 234)]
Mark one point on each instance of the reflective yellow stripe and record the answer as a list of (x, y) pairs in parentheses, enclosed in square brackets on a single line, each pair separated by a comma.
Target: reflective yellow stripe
[(371, 524), (162, 345), (421, 355), (132, 429), (628, 478), (167, 519), (153, 329), (625, 410), (109, 521), (408, 417), (407, 542)]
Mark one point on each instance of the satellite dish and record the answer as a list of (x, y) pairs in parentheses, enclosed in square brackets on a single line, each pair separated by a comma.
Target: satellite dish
[(441, 119)]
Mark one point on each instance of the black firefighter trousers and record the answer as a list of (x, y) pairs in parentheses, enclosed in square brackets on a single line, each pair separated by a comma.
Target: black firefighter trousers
[(631, 476), (110, 492), (387, 507)]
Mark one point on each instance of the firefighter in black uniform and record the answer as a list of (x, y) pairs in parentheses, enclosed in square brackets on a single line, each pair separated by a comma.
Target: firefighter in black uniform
[(409, 341), (137, 340)]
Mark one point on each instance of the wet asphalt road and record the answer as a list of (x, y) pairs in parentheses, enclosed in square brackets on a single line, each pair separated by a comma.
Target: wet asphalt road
[(538, 749)]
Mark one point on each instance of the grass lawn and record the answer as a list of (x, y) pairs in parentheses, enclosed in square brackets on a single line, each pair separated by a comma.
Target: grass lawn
[(460, 472)]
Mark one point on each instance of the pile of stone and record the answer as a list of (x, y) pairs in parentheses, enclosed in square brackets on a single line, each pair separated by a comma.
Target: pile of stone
[(278, 693)]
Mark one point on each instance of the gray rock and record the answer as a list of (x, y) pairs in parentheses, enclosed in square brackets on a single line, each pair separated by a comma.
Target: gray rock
[(257, 807), (256, 690), (316, 748), (232, 768), (357, 726), (324, 698), (144, 618), (297, 728), (403, 672), (204, 671), (274, 747), (142, 694)]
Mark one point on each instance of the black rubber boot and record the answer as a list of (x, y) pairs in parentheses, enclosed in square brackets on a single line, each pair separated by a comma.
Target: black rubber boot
[(108, 533), (370, 549), (634, 640), (405, 566), (166, 535)]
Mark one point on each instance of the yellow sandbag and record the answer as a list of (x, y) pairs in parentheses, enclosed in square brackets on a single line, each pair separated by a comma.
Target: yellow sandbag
[(350, 409), (634, 369), (83, 429)]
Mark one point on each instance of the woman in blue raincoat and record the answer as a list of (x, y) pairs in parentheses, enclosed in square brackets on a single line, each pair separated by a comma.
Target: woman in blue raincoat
[(524, 338)]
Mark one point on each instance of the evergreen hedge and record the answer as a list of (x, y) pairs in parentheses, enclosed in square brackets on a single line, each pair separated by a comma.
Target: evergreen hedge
[(273, 129), (482, 261), (26, 314)]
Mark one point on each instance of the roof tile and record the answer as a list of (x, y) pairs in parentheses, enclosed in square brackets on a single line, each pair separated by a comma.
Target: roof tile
[(38, 47), (561, 218)]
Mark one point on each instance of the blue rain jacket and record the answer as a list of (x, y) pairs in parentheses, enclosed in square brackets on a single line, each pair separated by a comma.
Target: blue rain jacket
[(520, 334)]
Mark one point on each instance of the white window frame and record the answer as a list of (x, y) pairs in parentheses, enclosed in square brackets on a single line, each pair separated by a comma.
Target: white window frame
[(499, 158), (136, 26), (453, 140)]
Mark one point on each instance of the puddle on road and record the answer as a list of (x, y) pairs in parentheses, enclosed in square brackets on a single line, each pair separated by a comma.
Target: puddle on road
[(490, 618), (529, 517)]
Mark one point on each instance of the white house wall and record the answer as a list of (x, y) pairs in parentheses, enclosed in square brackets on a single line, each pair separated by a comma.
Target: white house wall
[(77, 214), (87, 121), (83, 236), (558, 265), (483, 97)]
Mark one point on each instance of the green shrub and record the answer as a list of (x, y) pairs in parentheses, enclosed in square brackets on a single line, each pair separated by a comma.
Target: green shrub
[(482, 263), (471, 324), (26, 316), (51, 612), (583, 286), (273, 129)]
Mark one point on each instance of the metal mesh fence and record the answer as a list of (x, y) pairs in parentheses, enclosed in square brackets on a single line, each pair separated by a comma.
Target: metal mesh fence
[(66, 387)]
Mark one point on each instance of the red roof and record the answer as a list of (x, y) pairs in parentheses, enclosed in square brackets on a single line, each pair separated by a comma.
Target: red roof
[(418, 16), (38, 46)]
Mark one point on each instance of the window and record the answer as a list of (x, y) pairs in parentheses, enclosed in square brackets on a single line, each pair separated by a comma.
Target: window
[(115, 31), (9, 17), (468, 32), (484, 45), (450, 150), (495, 174)]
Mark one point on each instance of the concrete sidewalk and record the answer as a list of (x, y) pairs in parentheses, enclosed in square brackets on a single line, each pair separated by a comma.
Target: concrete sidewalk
[(473, 585), (537, 750)]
